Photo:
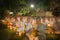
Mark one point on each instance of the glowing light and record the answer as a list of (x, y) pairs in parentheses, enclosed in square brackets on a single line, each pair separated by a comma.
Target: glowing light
[(10, 27), (4, 22), (11, 12), (32, 6), (20, 33)]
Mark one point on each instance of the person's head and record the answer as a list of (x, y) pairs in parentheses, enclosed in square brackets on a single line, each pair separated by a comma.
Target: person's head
[(6, 13), (39, 20)]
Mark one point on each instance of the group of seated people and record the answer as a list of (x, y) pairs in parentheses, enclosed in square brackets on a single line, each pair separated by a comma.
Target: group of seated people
[(23, 24)]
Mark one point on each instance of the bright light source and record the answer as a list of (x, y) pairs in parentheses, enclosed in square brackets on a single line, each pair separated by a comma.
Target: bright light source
[(32, 6), (11, 12)]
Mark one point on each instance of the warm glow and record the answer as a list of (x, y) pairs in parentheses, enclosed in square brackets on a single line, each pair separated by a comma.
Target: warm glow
[(32, 6), (4, 22), (20, 33), (10, 27), (14, 28)]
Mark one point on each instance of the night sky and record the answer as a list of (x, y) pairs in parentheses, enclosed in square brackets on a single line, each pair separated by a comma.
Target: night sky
[(12, 3)]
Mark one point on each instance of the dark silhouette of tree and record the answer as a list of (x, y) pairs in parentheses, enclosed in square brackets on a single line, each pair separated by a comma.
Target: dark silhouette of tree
[(56, 12)]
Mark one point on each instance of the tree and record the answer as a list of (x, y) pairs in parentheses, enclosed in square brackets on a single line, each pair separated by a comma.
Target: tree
[(56, 12), (19, 6), (16, 4)]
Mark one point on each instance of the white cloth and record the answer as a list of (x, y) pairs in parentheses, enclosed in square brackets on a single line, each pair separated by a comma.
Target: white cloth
[(28, 26)]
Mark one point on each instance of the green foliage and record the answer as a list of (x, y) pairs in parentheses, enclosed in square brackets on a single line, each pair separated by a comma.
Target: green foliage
[(24, 10), (22, 2), (18, 4)]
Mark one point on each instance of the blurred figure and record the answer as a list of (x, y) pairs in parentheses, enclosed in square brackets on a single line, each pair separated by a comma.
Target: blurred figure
[(57, 24), (29, 25), (45, 21), (6, 16), (33, 35), (41, 28), (56, 15)]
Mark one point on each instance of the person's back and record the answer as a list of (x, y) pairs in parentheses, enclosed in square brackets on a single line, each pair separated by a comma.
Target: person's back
[(56, 15), (41, 29)]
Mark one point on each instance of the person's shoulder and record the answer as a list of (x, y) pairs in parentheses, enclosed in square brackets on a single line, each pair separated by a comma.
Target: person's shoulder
[(40, 24)]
